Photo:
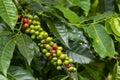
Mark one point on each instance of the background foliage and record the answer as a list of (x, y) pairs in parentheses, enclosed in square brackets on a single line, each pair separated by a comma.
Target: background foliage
[(82, 27)]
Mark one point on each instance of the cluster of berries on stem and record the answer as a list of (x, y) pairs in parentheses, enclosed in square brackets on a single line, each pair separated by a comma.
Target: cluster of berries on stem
[(53, 52)]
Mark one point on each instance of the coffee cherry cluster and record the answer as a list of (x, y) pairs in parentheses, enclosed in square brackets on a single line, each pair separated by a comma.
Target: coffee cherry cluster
[(50, 49)]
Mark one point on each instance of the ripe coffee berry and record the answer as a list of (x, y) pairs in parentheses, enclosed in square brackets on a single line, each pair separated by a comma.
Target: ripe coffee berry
[(19, 17), (25, 20), (53, 51), (69, 65), (54, 46), (25, 26)]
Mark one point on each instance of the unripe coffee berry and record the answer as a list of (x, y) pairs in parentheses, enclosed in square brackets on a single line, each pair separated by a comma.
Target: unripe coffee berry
[(60, 48), (70, 60), (62, 56), (59, 68), (66, 62), (33, 36), (59, 62), (48, 54), (36, 32), (44, 51), (32, 31), (27, 30), (48, 47)]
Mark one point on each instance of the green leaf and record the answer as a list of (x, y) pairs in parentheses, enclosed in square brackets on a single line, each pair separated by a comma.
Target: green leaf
[(4, 33), (8, 12), (82, 78), (7, 46), (93, 71), (80, 50), (80, 58), (105, 15), (26, 47), (115, 25), (20, 73), (108, 27), (60, 77), (59, 31), (102, 42), (109, 30), (84, 4), (70, 15), (3, 77), (116, 72)]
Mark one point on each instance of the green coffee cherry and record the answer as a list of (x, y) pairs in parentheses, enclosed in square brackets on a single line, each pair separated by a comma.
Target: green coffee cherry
[(70, 60), (33, 36), (32, 26), (60, 48), (59, 52), (48, 54), (34, 22), (55, 58), (49, 39), (37, 22), (66, 62), (36, 32), (30, 16), (74, 69), (40, 29), (27, 30), (59, 62), (35, 17), (37, 27), (59, 68), (48, 47), (70, 69), (45, 35), (32, 31), (62, 56), (55, 63), (51, 43), (44, 51), (39, 37), (42, 41)]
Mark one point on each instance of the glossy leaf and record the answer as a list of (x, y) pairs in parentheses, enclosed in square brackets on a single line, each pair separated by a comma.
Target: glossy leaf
[(8, 12), (84, 4), (20, 73), (26, 47), (59, 31), (3, 77), (102, 42), (80, 50), (6, 52), (80, 58), (70, 15)]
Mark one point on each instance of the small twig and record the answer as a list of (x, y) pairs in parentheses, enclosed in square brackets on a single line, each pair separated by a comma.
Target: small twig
[(16, 3)]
